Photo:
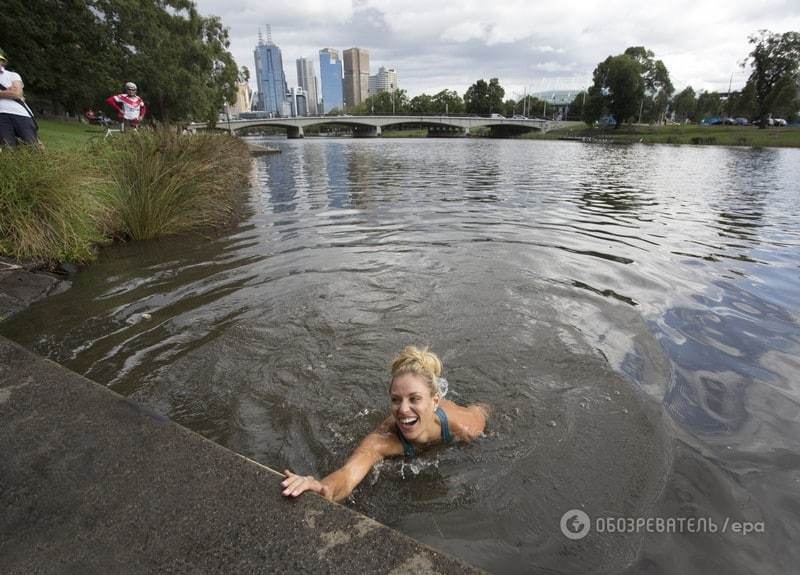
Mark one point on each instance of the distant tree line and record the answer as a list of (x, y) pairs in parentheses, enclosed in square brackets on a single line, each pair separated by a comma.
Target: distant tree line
[(632, 87), (75, 53)]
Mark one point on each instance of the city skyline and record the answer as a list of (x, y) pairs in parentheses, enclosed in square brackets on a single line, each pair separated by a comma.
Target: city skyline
[(450, 45)]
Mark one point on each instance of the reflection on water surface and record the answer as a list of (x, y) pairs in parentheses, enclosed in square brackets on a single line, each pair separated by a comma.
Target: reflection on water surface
[(629, 311)]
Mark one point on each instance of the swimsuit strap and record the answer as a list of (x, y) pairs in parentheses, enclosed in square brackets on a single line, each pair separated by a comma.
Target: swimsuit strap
[(446, 437), (408, 448)]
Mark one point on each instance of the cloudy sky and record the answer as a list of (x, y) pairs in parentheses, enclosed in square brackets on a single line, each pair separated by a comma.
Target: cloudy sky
[(530, 46)]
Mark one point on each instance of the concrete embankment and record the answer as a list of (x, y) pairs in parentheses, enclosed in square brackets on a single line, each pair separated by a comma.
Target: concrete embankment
[(91, 482)]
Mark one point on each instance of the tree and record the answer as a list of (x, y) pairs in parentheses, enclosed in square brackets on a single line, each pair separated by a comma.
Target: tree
[(630, 85), (775, 63), (180, 58), (63, 51), (742, 104), (708, 104), (531, 106), (618, 88), (657, 85), (484, 98), (384, 104), (654, 72), (73, 54), (422, 105), (684, 104), (575, 108), (448, 102)]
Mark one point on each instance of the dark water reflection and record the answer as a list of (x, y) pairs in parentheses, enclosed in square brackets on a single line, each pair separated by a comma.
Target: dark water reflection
[(630, 312)]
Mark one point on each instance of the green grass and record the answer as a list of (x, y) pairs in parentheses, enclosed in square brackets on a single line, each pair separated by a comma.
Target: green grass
[(49, 209), (59, 202), (682, 134), (166, 184), (57, 135)]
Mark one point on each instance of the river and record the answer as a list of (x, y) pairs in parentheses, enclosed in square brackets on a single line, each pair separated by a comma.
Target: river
[(630, 313)]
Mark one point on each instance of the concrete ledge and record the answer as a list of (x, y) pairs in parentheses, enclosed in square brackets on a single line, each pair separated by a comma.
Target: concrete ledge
[(91, 482)]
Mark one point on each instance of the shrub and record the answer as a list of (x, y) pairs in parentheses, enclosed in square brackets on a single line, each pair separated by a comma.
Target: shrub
[(48, 205), (163, 183)]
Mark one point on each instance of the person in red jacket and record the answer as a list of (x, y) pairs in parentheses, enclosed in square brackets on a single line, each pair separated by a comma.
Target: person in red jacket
[(130, 107)]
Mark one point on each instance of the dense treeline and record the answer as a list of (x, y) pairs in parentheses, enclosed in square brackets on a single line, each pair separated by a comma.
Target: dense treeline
[(75, 53), (633, 86)]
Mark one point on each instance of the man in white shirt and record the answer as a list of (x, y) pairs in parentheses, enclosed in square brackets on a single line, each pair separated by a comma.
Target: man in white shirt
[(16, 119)]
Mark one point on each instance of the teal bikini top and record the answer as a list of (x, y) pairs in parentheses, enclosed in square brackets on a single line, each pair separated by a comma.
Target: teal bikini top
[(408, 447)]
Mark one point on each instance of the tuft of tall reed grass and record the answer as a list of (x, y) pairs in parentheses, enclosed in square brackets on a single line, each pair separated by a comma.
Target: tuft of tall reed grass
[(164, 183), (49, 208)]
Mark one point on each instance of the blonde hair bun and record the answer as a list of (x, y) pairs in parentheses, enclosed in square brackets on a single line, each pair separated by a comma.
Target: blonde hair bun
[(422, 362)]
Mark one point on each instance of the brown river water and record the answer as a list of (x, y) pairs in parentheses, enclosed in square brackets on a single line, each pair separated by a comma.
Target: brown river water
[(630, 312)]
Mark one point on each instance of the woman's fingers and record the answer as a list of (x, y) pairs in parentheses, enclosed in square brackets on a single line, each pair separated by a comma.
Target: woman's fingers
[(296, 484), (289, 476)]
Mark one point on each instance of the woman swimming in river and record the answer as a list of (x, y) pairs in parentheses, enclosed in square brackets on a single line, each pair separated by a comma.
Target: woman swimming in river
[(419, 418)]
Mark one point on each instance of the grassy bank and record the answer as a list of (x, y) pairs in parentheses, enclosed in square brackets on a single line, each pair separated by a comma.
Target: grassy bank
[(58, 203), (682, 134)]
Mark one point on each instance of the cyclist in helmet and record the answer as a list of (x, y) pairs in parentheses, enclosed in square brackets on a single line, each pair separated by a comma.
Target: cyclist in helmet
[(130, 107)]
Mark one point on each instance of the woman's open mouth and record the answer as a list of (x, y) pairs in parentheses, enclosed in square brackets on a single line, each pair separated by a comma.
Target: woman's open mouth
[(407, 423)]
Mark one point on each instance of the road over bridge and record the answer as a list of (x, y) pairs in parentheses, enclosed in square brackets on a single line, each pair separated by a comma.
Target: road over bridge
[(371, 126)]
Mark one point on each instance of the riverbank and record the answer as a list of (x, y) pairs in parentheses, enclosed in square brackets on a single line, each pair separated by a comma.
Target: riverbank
[(680, 134), (82, 190)]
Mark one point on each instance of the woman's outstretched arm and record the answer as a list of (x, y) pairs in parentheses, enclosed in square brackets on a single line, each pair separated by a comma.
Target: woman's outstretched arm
[(339, 484)]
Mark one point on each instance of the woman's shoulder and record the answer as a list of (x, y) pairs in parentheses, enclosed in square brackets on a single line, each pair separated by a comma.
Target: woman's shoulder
[(383, 439), (466, 422)]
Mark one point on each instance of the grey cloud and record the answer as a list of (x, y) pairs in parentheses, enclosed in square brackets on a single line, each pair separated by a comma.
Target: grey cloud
[(698, 49)]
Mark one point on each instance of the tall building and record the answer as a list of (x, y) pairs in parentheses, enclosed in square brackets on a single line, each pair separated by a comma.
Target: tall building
[(356, 76), (307, 80), (384, 81), (298, 102), (243, 101), (330, 72), (270, 78)]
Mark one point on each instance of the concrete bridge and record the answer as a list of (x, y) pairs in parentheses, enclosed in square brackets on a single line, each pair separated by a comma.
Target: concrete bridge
[(371, 126)]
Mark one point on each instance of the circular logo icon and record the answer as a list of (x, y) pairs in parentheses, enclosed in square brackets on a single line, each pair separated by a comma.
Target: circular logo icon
[(575, 524)]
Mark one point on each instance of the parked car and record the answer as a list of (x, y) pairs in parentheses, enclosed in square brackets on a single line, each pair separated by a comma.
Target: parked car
[(712, 121), (499, 116), (779, 122), (741, 121), (606, 121), (728, 121)]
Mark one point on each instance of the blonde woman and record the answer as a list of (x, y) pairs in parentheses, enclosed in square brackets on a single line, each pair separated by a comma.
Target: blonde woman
[(420, 418)]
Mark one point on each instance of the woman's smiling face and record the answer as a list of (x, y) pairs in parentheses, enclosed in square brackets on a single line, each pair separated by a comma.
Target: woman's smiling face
[(413, 405)]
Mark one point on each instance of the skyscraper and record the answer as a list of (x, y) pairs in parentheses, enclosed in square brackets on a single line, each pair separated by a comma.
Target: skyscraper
[(356, 76), (384, 81), (330, 70), (270, 78), (307, 80)]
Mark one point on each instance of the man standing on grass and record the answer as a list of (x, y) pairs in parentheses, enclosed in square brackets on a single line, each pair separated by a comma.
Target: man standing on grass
[(130, 107), (16, 118)]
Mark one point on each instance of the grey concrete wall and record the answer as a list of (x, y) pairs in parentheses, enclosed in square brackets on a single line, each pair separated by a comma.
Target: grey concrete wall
[(91, 482)]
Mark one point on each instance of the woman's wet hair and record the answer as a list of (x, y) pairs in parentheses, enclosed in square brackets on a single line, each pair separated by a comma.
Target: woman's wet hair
[(421, 362)]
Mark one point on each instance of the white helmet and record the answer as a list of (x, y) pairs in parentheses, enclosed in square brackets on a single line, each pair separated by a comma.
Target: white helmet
[(130, 86)]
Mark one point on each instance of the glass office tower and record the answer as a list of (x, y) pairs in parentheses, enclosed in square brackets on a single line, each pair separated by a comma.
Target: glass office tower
[(330, 71), (270, 78)]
